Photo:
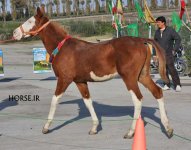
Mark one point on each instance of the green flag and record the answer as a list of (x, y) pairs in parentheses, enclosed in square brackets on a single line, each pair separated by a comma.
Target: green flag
[(139, 11), (176, 22), (110, 8), (132, 30)]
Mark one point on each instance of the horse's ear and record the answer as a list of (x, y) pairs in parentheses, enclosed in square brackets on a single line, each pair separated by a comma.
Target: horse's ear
[(40, 13)]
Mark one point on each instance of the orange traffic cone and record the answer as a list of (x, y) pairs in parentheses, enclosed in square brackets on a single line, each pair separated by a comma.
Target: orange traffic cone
[(139, 141)]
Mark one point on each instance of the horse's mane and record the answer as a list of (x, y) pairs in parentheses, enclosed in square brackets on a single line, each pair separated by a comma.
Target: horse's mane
[(59, 29)]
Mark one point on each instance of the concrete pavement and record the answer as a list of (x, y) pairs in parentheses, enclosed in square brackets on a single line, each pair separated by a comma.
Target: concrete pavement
[(21, 122)]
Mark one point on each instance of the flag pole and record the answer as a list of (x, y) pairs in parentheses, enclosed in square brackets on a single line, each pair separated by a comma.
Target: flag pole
[(150, 31), (186, 25), (187, 14)]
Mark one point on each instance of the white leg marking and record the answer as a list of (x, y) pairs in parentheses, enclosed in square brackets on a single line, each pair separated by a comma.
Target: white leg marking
[(137, 111), (164, 118), (103, 78), (89, 105), (52, 110)]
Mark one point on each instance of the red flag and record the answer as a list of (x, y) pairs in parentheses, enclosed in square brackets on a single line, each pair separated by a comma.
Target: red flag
[(183, 4)]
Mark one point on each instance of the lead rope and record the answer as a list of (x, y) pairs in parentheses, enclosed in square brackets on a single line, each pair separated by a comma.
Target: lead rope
[(5, 41)]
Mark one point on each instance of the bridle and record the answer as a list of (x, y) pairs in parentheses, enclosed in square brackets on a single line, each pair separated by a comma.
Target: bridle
[(35, 32)]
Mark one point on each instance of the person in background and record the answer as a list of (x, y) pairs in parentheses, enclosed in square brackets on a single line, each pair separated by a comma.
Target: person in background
[(170, 41)]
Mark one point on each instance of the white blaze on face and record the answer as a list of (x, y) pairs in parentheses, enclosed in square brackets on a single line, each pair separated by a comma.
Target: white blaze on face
[(103, 78), (27, 26)]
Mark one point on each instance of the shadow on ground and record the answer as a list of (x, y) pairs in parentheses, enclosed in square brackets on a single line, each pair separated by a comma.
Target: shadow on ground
[(7, 103), (104, 110)]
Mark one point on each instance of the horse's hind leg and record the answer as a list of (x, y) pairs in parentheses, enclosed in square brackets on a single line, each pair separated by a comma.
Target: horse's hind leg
[(83, 88), (60, 89), (136, 95), (146, 80)]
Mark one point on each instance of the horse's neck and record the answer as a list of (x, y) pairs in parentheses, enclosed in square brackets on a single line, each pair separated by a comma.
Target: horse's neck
[(50, 38)]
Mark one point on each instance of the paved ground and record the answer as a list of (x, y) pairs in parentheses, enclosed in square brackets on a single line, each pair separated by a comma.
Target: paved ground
[(21, 122)]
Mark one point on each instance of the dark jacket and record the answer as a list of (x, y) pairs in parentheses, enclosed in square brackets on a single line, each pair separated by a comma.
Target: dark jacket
[(170, 40)]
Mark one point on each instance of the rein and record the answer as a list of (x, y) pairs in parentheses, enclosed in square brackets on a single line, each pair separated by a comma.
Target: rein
[(33, 32)]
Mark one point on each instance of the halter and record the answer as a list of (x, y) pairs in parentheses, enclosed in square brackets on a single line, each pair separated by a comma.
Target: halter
[(33, 32)]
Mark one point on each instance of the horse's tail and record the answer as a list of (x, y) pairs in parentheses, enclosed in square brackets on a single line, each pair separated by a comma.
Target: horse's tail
[(161, 57)]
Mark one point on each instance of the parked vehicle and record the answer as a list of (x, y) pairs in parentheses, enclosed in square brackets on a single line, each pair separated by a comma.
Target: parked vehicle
[(179, 63)]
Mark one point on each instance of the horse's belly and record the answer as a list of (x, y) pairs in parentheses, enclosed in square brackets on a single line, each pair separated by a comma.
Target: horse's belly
[(105, 77)]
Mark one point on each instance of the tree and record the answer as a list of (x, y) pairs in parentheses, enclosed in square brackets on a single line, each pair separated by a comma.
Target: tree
[(57, 3), (88, 7), (22, 8), (64, 6), (107, 6), (49, 5), (3, 11), (68, 10), (130, 5), (76, 7), (13, 8), (176, 3), (82, 2), (154, 4), (97, 9)]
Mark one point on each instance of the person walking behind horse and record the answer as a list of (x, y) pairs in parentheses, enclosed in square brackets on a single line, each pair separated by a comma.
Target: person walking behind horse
[(170, 41)]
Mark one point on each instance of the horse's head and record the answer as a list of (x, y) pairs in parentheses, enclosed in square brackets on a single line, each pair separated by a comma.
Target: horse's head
[(32, 26)]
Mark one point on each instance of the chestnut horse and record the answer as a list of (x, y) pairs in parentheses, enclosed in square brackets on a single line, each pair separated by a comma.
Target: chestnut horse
[(79, 61)]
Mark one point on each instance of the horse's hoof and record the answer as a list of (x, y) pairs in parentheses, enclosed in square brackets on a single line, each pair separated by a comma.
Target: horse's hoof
[(127, 136), (169, 133), (45, 131), (92, 132)]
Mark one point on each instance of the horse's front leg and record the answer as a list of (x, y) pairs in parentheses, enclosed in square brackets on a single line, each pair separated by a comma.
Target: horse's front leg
[(83, 88), (60, 89)]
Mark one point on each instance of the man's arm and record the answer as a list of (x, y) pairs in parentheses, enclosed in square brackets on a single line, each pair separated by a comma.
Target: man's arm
[(155, 36), (177, 40)]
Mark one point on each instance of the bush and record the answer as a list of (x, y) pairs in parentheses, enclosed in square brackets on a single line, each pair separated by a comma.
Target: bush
[(186, 42), (88, 28), (6, 31)]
